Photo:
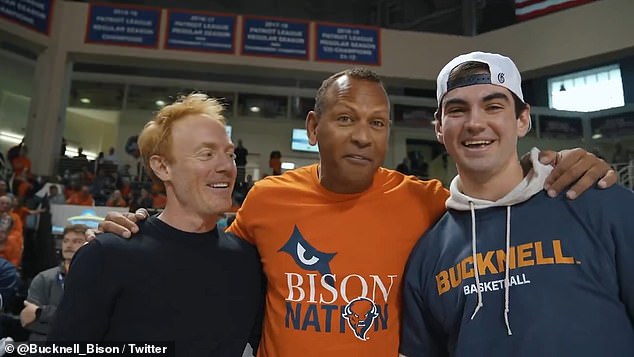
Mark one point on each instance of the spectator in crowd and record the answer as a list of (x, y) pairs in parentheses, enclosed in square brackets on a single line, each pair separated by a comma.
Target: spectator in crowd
[(116, 200), (241, 161), (3, 187), (508, 270), (321, 227), (54, 196), (403, 167), (8, 283), (21, 165), (126, 188), (81, 198), (11, 232), (22, 211), (14, 151), (112, 157), (8, 287), (100, 160), (47, 288), (245, 186), (86, 176), (275, 162), (101, 186), (159, 199), (117, 290), (420, 166), (71, 188), (23, 184), (80, 153), (62, 150), (124, 171), (144, 200)]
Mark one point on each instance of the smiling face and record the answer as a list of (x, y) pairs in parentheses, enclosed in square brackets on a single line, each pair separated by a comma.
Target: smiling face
[(479, 128), (352, 131), (200, 173)]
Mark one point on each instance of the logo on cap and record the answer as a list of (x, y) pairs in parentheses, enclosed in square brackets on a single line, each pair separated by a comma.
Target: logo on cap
[(501, 77)]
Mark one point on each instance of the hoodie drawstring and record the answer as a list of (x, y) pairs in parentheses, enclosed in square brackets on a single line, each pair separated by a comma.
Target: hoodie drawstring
[(506, 268), (506, 271), (475, 260)]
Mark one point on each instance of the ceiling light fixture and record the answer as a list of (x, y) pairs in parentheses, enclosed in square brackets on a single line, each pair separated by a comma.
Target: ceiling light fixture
[(85, 100)]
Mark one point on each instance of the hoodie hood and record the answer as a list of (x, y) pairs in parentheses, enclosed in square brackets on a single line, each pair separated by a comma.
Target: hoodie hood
[(530, 185)]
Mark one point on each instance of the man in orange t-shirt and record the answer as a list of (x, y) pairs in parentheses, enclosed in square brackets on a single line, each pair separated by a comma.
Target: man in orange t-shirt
[(81, 198), (334, 237)]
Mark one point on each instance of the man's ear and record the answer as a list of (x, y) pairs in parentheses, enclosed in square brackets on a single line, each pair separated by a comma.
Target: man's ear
[(438, 127), (524, 122), (311, 127), (160, 168)]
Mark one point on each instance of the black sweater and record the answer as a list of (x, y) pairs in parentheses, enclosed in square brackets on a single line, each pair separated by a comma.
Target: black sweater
[(203, 291)]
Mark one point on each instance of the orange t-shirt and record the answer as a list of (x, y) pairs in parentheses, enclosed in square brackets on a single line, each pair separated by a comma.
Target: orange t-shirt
[(15, 242), (80, 200), (21, 212), (20, 164), (334, 262)]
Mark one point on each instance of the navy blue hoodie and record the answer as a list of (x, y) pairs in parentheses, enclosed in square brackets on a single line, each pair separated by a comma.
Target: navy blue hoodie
[(570, 289)]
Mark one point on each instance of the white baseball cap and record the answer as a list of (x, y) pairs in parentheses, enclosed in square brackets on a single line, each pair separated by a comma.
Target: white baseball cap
[(504, 73)]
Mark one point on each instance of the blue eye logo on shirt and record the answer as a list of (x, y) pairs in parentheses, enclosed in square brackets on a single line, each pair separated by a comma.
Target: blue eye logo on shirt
[(305, 255)]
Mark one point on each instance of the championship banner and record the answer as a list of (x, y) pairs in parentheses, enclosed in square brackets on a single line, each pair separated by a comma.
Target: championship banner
[(348, 44), (199, 31), (33, 14), (123, 25), (274, 37)]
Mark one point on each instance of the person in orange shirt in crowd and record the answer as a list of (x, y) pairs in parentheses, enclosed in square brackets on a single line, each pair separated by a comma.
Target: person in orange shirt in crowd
[(22, 184), (116, 200), (159, 200), (21, 166), (334, 236), (144, 200), (126, 187), (21, 163), (11, 230), (22, 211), (71, 189), (81, 198), (87, 177)]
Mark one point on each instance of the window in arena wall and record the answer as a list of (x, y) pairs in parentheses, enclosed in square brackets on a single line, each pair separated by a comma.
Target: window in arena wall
[(586, 91)]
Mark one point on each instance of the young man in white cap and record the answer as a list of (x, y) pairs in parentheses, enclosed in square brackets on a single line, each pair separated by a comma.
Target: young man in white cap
[(552, 276)]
